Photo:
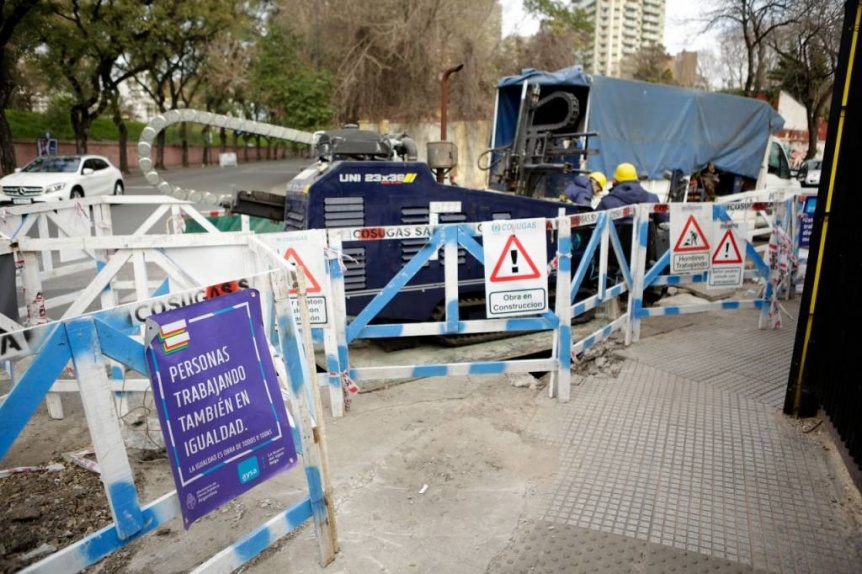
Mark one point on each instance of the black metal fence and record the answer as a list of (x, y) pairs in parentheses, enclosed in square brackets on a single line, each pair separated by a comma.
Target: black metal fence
[(827, 357)]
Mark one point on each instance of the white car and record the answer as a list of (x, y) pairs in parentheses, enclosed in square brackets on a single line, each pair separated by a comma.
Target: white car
[(58, 177), (809, 173)]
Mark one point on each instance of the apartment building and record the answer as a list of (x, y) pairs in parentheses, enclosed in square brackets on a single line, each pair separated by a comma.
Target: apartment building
[(622, 27)]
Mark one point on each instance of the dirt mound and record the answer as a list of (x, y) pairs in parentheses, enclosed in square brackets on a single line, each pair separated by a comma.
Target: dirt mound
[(42, 512)]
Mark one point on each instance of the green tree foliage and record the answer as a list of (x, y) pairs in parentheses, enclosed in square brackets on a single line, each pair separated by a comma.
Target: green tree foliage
[(175, 55), (58, 117), (19, 21), (562, 40), (286, 85), (84, 41), (231, 58), (650, 64), (32, 125), (558, 16)]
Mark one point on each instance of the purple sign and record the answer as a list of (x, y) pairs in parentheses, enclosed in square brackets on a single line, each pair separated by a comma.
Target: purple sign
[(220, 406)]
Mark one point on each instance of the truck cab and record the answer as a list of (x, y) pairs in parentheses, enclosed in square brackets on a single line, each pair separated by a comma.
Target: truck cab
[(776, 169)]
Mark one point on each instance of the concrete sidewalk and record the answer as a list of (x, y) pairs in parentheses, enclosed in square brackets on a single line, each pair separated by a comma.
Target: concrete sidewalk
[(675, 459)]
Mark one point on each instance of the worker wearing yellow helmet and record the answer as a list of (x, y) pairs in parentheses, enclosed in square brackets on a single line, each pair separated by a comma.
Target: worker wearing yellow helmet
[(625, 172), (627, 190), (599, 182), (582, 189)]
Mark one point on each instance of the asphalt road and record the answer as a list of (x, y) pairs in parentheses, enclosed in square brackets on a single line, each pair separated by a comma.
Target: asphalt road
[(268, 176)]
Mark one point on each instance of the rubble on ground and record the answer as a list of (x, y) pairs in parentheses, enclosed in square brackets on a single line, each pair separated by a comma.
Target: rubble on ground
[(601, 360)]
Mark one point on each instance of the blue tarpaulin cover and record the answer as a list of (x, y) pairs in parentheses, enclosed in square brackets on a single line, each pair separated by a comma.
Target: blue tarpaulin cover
[(654, 126), (509, 96)]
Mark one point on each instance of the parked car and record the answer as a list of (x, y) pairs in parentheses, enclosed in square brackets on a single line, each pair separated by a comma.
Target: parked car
[(58, 177), (809, 173)]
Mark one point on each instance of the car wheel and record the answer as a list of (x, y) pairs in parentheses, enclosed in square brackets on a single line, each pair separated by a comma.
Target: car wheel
[(118, 188), (77, 193)]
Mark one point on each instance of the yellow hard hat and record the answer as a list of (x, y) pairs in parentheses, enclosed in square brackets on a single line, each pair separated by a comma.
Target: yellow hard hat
[(626, 172), (599, 178)]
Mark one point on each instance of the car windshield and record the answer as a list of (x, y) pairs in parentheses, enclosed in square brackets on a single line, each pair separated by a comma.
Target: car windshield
[(53, 165)]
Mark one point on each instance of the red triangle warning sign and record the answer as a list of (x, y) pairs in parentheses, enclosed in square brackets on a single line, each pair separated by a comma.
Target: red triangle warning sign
[(514, 263), (727, 252), (692, 237), (313, 286)]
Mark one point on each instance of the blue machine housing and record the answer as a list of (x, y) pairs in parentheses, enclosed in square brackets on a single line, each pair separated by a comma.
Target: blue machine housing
[(385, 193)]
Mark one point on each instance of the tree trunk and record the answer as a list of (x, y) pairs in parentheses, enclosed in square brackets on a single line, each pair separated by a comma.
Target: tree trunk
[(811, 114), (122, 131), (257, 147), (184, 143), (81, 126), (207, 133), (222, 137), (749, 54), (812, 134), (8, 162), (760, 74), (160, 150), (123, 141)]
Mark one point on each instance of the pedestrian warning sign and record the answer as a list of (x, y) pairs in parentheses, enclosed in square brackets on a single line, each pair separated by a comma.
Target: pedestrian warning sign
[(728, 256), (691, 238), (516, 262), (517, 266), (690, 231)]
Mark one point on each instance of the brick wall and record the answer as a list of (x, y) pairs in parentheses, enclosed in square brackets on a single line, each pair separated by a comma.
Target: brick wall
[(25, 152)]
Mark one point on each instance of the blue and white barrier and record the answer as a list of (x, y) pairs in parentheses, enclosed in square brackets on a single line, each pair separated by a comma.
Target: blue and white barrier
[(632, 277), (87, 341)]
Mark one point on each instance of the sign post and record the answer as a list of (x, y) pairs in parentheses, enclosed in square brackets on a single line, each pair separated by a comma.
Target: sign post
[(516, 267), (220, 405), (47, 145), (307, 251)]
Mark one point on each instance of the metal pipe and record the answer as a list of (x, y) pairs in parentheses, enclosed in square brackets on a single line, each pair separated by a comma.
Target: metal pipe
[(444, 97), (444, 101)]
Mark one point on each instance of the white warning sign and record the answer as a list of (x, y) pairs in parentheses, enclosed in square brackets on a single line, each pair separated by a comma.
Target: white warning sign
[(690, 236), (728, 255), (516, 267), (305, 249)]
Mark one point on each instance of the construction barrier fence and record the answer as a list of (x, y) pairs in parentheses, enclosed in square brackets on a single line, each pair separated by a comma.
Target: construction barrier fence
[(102, 322)]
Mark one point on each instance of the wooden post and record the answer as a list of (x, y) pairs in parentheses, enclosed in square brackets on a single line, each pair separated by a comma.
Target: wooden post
[(96, 396), (301, 384)]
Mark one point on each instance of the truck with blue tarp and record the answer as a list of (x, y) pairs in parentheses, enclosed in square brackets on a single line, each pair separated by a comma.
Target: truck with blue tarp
[(663, 130)]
